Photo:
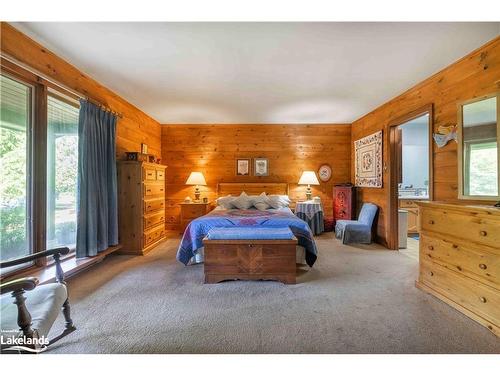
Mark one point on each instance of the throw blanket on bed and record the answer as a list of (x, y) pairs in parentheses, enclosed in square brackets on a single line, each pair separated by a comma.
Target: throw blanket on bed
[(249, 233), (197, 229)]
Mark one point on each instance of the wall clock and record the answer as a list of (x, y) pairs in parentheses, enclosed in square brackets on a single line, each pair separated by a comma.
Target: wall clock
[(325, 172)]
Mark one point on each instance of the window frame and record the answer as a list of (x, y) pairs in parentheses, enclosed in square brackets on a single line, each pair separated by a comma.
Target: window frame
[(461, 149), (37, 157)]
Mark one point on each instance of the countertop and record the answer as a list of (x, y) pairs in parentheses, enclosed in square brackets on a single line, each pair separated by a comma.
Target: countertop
[(413, 197)]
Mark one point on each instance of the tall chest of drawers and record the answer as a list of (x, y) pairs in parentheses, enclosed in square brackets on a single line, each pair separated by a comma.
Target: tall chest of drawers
[(460, 259), (141, 205)]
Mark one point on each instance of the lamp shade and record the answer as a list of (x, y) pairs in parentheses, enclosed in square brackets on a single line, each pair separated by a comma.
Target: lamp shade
[(196, 178), (308, 178)]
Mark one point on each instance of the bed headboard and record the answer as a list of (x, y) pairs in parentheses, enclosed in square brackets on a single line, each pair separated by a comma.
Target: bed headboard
[(251, 188)]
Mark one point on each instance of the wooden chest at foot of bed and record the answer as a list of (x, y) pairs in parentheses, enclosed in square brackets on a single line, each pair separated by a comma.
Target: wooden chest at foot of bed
[(250, 260)]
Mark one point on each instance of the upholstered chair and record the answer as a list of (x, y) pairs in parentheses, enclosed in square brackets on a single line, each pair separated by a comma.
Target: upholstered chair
[(357, 231)]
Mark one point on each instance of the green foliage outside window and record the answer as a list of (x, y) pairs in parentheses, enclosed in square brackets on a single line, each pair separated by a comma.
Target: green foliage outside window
[(12, 189)]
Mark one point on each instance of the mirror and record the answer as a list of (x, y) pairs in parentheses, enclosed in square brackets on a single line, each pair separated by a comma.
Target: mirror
[(478, 149)]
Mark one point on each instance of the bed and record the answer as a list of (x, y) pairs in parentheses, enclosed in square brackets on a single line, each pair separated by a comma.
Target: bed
[(191, 248)]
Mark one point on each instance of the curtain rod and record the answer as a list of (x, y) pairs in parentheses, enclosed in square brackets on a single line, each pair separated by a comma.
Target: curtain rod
[(55, 83)]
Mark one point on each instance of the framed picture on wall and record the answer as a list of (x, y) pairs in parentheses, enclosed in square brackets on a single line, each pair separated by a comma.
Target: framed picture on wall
[(242, 167), (260, 167)]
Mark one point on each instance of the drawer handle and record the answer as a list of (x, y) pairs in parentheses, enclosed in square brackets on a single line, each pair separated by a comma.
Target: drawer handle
[(149, 206), (431, 247), (482, 266), (148, 190), (483, 233), (455, 246), (431, 221), (482, 299), (250, 245), (431, 273)]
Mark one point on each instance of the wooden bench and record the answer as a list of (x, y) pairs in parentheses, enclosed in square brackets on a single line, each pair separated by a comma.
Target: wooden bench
[(250, 259)]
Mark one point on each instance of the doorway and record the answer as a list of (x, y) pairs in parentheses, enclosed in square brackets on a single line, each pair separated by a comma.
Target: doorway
[(410, 162)]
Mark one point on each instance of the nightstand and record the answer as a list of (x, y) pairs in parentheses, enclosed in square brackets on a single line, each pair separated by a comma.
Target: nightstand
[(190, 211), (312, 213)]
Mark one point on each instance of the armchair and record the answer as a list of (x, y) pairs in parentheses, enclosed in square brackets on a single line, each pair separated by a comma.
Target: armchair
[(29, 310), (357, 231)]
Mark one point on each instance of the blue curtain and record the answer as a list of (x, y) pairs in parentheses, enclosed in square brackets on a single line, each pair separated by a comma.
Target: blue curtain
[(97, 186)]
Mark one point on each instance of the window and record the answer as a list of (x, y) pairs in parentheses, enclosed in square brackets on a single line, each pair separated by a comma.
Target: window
[(482, 166), (38, 166), (62, 168), (15, 130), (478, 149)]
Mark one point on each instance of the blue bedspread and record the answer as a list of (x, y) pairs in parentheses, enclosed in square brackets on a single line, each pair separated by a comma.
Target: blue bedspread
[(197, 229)]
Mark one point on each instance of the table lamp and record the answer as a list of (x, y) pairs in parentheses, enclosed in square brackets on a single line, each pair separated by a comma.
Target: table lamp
[(197, 179), (308, 178)]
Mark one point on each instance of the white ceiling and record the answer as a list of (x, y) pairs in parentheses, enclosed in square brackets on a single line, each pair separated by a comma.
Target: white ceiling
[(260, 72)]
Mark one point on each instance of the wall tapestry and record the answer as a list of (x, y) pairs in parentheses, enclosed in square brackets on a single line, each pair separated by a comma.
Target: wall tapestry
[(368, 160)]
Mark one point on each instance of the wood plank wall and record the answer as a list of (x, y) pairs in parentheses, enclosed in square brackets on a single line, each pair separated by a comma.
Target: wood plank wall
[(213, 149), (474, 75), (134, 128)]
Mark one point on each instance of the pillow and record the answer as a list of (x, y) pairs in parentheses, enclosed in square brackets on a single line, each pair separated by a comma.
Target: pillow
[(243, 202), (261, 202), (226, 202), (278, 201)]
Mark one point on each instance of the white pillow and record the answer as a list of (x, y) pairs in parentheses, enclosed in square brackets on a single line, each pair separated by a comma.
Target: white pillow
[(226, 202), (243, 202), (278, 201), (261, 202)]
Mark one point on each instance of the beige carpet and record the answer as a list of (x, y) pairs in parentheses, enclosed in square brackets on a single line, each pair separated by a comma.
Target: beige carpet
[(354, 300)]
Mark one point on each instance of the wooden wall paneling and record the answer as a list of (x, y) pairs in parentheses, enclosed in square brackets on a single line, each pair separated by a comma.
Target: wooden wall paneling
[(475, 75), (134, 128), (251, 188), (213, 149)]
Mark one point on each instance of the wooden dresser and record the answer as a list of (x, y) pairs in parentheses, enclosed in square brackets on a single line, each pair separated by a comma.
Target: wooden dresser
[(460, 259), (141, 205)]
